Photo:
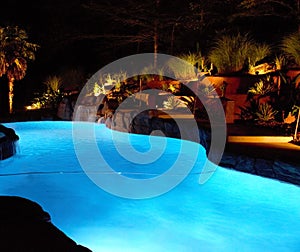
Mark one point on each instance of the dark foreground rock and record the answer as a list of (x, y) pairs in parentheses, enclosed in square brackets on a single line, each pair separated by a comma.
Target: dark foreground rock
[(8, 139), (25, 226), (9, 133), (270, 168)]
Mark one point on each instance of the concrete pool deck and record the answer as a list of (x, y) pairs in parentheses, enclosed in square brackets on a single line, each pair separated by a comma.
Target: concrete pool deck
[(262, 153), (261, 143)]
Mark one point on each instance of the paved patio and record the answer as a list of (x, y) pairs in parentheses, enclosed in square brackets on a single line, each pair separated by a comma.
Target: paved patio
[(261, 143)]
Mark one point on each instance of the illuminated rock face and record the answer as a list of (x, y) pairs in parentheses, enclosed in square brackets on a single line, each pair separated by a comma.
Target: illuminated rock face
[(8, 139), (144, 123)]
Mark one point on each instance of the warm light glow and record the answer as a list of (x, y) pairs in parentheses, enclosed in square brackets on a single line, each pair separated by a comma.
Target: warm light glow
[(261, 69), (232, 210), (33, 106), (259, 139)]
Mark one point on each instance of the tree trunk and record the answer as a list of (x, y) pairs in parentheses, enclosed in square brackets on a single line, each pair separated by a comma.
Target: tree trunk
[(298, 12), (155, 36), (172, 39), (10, 94)]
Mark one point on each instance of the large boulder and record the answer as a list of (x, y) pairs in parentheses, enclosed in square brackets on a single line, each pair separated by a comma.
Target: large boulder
[(9, 133), (25, 226), (8, 138)]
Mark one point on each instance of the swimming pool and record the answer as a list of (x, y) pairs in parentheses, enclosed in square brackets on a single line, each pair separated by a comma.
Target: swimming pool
[(232, 211)]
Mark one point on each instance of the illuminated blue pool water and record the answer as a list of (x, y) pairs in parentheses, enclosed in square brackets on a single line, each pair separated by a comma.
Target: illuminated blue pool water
[(232, 211)]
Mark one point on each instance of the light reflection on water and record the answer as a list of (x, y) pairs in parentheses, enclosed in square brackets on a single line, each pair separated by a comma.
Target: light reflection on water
[(232, 211)]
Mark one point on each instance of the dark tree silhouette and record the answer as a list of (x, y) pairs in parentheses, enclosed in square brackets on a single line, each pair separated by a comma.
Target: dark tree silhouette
[(286, 12), (15, 52), (141, 22)]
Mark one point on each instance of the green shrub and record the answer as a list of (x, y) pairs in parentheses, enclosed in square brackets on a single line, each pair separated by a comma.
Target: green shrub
[(258, 52), (232, 54), (291, 47), (172, 103), (265, 113), (181, 69), (262, 87), (54, 83), (194, 59)]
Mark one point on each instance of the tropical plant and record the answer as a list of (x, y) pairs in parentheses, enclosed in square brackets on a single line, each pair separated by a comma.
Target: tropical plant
[(49, 99), (289, 91), (258, 52), (99, 89), (290, 46), (206, 90), (108, 80), (261, 113), (15, 52), (172, 103), (262, 87), (194, 59), (265, 113), (230, 53), (189, 102), (248, 113), (233, 53), (52, 96), (150, 73), (53, 82), (114, 79), (280, 62), (181, 69)]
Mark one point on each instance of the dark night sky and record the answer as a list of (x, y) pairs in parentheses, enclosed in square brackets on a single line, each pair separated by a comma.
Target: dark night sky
[(57, 26), (50, 24)]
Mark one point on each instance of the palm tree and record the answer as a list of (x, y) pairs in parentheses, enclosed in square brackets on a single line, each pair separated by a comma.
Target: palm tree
[(15, 52)]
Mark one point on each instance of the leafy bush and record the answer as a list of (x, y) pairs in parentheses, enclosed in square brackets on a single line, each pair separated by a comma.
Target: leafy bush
[(258, 52), (265, 113), (172, 103), (53, 83), (248, 113), (52, 96), (262, 87), (98, 89), (260, 113), (280, 62), (290, 46), (150, 73), (206, 90), (183, 67), (48, 99), (194, 59), (233, 53)]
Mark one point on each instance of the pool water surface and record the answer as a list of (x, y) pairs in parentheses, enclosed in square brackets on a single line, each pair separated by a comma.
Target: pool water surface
[(232, 211)]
